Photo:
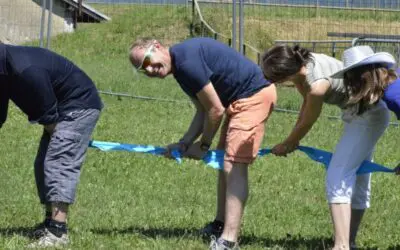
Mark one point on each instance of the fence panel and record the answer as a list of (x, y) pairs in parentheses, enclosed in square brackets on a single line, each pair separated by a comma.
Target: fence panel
[(20, 21)]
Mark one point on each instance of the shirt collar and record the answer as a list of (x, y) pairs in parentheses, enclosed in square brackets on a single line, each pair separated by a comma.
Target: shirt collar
[(3, 66)]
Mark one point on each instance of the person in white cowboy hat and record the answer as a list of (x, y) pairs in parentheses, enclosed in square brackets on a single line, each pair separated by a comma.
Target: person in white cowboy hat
[(369, 76), (348, 195), (359, 78), (365, 75)]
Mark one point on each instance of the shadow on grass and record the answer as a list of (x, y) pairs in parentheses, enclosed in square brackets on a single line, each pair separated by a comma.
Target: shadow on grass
[(150, 232), (12, 231), (289, 242)]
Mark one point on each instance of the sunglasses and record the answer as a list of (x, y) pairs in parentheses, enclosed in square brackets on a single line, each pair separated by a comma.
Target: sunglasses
[(146, 60)]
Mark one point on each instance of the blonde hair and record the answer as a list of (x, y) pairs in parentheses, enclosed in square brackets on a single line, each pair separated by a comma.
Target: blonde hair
[(141, 43), (366, 84)]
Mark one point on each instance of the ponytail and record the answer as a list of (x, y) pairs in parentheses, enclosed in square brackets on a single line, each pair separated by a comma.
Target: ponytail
[(282, 61)]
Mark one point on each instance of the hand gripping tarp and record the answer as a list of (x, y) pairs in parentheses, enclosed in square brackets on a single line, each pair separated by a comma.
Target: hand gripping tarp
[(215, 158)]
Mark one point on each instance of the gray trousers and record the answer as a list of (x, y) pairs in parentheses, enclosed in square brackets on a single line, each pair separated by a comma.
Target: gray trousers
[(61, 154)]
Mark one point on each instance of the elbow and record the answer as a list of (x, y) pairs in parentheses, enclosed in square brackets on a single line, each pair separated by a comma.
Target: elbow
[(220, 111), (217, 112)]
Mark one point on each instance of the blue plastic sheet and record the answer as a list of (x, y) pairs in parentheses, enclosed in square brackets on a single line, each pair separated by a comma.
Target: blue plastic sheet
[(215, 158)]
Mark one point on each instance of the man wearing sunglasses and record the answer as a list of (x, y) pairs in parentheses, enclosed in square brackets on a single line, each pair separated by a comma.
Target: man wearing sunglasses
[(220, 81), (56, 94)]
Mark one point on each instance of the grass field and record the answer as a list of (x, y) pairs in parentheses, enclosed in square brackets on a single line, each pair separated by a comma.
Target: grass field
[(136, 201)]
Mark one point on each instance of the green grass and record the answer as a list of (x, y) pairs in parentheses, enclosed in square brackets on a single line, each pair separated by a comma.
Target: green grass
[(265, 24), (137, 201)]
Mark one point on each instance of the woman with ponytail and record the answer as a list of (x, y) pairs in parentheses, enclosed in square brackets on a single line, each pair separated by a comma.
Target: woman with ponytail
[(348, 195)]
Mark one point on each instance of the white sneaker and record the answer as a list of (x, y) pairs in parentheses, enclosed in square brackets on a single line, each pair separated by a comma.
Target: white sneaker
[(217, 244), (50, 240)]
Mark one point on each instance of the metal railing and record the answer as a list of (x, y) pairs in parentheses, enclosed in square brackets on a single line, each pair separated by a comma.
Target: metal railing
[(243, 46), (330, 47), (391, 46)]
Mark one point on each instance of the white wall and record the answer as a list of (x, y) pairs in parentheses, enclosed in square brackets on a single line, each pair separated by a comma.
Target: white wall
[(20, 20)]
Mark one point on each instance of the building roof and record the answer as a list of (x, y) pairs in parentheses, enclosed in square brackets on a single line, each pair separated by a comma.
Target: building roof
[(88, 10)]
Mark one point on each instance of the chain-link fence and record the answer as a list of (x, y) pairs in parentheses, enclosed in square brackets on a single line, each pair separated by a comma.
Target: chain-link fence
[(251, 26), (326, 26)]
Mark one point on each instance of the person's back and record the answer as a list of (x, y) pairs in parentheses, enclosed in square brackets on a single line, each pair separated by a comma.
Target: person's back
[(55, 93), (45, 85), (321, 67), (199, 61)]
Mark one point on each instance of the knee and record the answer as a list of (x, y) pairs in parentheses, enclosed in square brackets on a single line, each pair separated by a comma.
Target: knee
[(338, 190)]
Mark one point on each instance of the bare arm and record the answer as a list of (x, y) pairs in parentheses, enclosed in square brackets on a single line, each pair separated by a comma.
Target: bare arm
[(302, 90), (196, 126), (311, 110), (214, 112)]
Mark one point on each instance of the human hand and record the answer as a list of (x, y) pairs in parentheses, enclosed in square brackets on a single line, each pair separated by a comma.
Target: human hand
[(195, 152), (284, 148), (397, 170), (178, 146)]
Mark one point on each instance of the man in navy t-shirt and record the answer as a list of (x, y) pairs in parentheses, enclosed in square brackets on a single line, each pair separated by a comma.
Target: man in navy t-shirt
[(55, 93), (219, 81)]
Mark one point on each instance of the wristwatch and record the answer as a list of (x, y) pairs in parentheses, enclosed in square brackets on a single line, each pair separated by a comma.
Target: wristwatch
[(204, 146)]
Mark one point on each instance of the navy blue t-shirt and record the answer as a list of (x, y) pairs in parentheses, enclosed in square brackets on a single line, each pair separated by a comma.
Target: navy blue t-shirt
[(198, 61), (392, 97), (43, 84)]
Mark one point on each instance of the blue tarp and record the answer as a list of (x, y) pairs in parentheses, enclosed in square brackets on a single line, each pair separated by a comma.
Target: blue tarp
[(215, 158)]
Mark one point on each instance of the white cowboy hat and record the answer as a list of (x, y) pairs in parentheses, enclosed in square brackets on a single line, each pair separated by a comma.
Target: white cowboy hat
[(363, 55)]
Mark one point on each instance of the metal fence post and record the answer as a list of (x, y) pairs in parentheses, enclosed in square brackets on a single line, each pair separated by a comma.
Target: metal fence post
[(333, 49), (241, 31), (234, 24), (49, 19), (41, 35), (192, 24)]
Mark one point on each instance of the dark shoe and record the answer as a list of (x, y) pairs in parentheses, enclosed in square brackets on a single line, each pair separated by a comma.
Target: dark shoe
[(38, 230), (214, 228)]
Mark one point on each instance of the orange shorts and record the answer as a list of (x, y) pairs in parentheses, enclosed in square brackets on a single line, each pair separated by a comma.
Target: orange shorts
[(243, 128)]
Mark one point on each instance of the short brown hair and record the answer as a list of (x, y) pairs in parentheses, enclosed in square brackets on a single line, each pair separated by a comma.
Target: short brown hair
[(144, 42)]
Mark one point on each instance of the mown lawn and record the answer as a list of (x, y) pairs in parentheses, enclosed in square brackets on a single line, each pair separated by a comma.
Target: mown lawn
[(138, 201)]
